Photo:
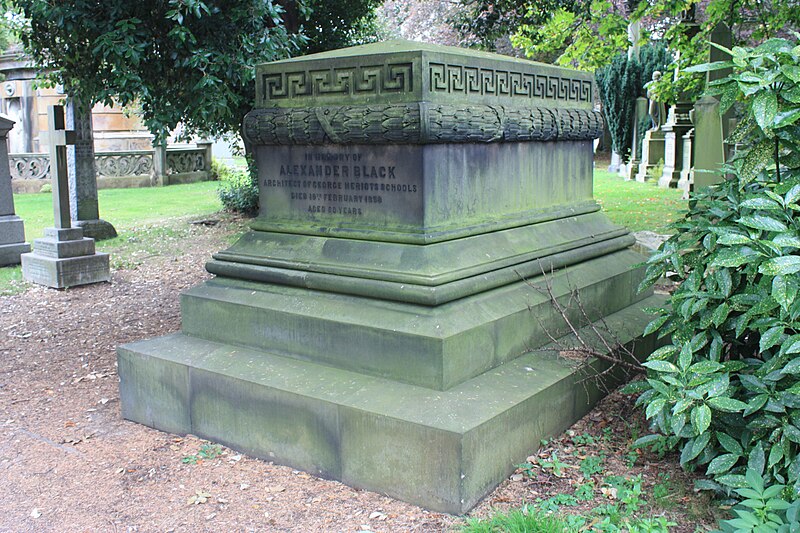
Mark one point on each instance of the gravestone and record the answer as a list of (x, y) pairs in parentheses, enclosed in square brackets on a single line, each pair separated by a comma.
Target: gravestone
[(653, 142), (636, 150), (678, 123), (64, 257), (687, 166), (710, 125), (83, 203), (387, 321), (12, 229)]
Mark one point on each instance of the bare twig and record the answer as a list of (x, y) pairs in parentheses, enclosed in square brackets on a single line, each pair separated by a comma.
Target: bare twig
[(611, 350)]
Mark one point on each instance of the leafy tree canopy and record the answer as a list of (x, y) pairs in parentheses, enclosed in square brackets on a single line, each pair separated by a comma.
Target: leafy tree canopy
[(180, 61), (587, 34)]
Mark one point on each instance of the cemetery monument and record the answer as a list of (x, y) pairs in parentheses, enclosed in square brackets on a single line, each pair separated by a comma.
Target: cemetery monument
[(653, 142), (64, 257), (12, 229), (386, 321), (83, 202)]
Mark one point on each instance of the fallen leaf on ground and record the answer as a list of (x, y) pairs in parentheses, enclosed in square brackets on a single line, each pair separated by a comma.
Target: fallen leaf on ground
[(198, 498)]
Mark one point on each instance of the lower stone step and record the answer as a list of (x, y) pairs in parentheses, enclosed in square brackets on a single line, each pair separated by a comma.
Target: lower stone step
[(443, 450)]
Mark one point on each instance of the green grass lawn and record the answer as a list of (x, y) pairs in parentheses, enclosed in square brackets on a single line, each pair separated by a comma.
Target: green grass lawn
[(143, 218), (126, 208), (146, 217), (638, 206)]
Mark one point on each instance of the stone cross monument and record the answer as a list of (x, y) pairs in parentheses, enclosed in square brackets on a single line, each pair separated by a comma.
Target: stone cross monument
[(82, 174), (12, 230), (381, 323), (64, 257)]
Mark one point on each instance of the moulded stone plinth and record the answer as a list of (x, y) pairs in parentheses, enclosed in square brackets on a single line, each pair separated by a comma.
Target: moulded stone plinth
[(429, 274), (12, 240), (10, 253), (434, 347), (65, 258), (443, 450), (70, 272)]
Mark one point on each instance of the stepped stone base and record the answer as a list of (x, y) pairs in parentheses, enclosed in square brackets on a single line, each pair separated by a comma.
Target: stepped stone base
[(63, 273), (443, 450), (436, 347), (65, 258), (98, 230), (10, 253), (12, 240)]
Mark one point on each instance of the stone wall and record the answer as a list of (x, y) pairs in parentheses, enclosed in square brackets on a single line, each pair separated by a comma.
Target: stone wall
[(120, 169)]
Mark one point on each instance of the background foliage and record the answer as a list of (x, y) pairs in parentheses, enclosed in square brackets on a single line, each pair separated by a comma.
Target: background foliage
[(619, 84), (179, 61)]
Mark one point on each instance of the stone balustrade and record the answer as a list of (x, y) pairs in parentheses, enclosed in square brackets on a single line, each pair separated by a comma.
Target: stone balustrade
[(135, 168)]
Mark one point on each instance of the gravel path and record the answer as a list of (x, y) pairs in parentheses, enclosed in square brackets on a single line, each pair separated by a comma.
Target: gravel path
[(68, 462)]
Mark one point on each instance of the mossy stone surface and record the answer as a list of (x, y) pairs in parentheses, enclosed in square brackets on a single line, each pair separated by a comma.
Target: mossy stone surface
[(443, 450), (434, 347)]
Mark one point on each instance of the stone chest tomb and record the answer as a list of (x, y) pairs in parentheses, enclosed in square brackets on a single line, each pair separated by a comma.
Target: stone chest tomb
[(385, 321)]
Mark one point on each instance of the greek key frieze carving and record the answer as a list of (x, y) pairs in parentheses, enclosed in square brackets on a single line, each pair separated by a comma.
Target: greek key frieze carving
[(419, 124), (461, 79), (357, 80)]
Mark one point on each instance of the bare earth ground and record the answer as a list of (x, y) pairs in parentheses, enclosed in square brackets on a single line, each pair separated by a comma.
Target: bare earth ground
[(68, 462)]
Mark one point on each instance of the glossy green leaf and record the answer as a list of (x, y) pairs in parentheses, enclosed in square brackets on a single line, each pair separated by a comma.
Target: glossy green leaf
[(701, 418), (721, 464), (781, 266), (729, 405), (762, 222), (661, 366), (765, 108)]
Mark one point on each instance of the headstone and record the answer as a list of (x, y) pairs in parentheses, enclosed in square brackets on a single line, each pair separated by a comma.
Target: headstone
[(711, 126), (636, 149), (616, 163), (83, 199), (64, 257), (678, 123), (653, 142), (387, 320), (687, 167), (12, 230), (652, 154)]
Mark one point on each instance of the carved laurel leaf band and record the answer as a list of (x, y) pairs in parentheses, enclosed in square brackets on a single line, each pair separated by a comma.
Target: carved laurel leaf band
[(419, 124)]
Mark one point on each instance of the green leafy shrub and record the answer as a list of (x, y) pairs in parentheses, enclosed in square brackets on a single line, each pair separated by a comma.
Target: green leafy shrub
[(725, 389), (219, 170), (238, 190), (762, 509)]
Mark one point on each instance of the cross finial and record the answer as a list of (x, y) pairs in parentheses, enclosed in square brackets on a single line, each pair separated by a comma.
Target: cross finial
[(60, 137)]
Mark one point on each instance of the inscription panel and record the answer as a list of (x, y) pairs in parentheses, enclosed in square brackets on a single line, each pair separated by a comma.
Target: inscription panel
[(356, 186)]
